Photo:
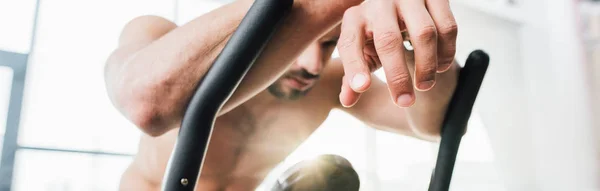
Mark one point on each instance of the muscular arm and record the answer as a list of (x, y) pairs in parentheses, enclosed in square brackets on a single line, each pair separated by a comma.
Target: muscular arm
[(375, 107), (150, 77), (422, 120)]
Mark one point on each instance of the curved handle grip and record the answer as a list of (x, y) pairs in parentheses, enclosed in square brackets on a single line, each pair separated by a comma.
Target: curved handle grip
[(232, 64), (457, 117)]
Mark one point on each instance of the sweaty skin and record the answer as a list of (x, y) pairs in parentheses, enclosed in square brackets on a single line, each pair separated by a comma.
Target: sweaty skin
[(287, 94)]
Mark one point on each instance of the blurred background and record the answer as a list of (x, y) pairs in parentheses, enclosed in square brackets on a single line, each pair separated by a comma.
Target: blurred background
[(535, 125)]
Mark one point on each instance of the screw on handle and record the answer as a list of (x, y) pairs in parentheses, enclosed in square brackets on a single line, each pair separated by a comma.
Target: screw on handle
[(457, 117)]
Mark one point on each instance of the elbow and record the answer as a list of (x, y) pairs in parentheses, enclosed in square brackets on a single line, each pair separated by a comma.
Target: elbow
[(148, 120), (141, 110), (428, 130), (136, 100), (432, 134)]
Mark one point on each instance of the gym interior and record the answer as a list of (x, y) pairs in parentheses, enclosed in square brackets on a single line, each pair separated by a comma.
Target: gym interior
[(534, 127)]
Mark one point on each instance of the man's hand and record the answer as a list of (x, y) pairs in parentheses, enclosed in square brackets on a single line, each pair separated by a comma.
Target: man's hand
[(372, 37)]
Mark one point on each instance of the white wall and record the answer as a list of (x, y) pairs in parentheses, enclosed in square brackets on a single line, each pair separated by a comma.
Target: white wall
[(535, 100), (501, 102), (565, 150)]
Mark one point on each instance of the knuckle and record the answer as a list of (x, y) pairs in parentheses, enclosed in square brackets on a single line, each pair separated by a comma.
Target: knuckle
[(399, 80), (388, 42), (426, 34), (347, 40), (449, 30), (351, 24), (352, 62), (428, 68)]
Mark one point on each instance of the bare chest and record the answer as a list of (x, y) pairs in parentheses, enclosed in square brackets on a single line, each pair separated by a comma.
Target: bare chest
[(247, 144)]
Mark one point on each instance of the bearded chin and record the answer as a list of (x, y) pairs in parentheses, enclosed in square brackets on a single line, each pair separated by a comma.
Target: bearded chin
[(276, 89)]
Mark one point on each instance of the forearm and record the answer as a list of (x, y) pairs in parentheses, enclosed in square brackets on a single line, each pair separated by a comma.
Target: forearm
[(375, 107), (377, 110), (150, 79), (427, 114), (162, 76), (422, 120)]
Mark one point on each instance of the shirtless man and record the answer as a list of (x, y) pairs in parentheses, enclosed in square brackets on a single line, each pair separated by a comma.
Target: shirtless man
[(291, 88)]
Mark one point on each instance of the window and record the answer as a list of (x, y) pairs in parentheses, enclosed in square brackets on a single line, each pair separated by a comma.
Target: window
[(16, 17), (43, 170), (66, 105), (188, 10), (6, 75), (70, 136)]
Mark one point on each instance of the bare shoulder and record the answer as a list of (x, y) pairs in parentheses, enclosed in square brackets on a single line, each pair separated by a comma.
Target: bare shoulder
[(333, 74), (145, 28), (334, 70)]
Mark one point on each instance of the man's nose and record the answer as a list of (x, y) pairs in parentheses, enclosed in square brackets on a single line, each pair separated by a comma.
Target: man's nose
[(310, 60)]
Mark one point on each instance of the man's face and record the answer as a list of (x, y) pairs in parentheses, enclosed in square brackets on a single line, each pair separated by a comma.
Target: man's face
[(306, 70)]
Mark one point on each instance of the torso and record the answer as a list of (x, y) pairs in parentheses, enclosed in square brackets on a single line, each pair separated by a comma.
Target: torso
[(251, 140), (247, 142)]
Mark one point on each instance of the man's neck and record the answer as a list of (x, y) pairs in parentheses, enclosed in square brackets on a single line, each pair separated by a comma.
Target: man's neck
[(262, 101)]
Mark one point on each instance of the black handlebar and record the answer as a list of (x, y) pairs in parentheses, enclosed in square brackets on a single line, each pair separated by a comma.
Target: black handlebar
[(232, 64), (457, 117)]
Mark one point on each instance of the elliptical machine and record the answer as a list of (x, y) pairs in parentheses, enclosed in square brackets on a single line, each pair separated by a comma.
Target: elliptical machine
[(234, 61)]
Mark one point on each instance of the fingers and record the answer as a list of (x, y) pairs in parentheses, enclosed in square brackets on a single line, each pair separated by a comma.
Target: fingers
[(447, 31), (348, 97), (432, 30), (352, 41), (387, 37), (423, 34)]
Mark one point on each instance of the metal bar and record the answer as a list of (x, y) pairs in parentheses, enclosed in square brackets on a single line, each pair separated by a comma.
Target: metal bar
[(457, 117), (232, 64), (12, 60), (75, 151)]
